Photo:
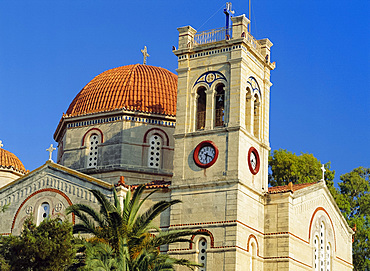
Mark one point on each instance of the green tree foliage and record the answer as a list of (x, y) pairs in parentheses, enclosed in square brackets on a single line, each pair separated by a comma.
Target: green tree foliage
[(48, 246), (129, 231), (288, 167), (354, 202), (352, 198)]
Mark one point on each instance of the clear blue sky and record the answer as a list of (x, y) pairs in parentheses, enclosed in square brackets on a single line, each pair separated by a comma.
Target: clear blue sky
[(50, 50)]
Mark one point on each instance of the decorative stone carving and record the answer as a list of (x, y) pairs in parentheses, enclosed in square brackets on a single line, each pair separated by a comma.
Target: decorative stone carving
[(58, 207), (29, 209)]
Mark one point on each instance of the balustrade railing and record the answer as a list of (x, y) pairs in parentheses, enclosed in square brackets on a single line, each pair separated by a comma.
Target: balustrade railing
[(213, 35), (222, 34), (253, 42)]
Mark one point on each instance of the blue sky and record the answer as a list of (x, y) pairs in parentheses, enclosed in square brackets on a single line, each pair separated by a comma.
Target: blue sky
[(320, 99)]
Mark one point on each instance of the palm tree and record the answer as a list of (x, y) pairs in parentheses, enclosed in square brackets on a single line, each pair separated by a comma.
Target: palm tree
[(130, 233)]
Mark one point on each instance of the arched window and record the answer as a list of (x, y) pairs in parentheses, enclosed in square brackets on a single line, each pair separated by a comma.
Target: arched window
[(253, 107), (155, 151), (256, 116), (253, 252), (43, 212), (316, 252), (202, 256), (248, 110), (201, 108), (322, 249), (328, 259), (219, 105), (92, 148)]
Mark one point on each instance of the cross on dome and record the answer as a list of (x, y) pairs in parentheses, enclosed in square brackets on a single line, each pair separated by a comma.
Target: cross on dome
[(145, 54), (50, 150)]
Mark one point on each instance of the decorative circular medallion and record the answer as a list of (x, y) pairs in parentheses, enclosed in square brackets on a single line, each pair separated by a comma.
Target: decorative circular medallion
[(205, 154), (58, 207), (210, 78), (253, 160), (29, 209)]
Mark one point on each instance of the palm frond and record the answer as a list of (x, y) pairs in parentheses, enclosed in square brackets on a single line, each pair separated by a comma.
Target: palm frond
[(135, 204), (117, 203), (173, 236), (105, 205), (144, 220), (78, 209)]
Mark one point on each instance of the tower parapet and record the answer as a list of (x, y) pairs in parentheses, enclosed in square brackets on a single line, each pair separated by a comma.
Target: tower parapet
[(191, 41)]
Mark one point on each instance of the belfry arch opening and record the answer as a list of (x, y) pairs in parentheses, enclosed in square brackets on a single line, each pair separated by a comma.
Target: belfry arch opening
[(248, 110), (220, 105), (256, 115), (201, 108)]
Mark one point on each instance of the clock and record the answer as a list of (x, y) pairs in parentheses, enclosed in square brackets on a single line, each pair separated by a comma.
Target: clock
[(205, 154), (253, 160)]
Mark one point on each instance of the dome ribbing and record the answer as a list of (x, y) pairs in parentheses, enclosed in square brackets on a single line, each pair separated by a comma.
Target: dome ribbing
[(134, 87)]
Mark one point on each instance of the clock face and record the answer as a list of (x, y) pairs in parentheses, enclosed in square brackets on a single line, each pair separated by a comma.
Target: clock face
[(205, 154), (253, 160)]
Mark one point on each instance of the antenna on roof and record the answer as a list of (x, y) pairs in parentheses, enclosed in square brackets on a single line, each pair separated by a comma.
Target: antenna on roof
[(228, 10), (250, 17)]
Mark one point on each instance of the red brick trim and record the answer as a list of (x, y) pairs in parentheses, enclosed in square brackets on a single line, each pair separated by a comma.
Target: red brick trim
[(255, 239), (286, 232), (210, 236), (249, 227), (344, 261), (273, 258), (38, 192), (93, 129), (246, 250), (332, 225), (150, 130), (203, 223)]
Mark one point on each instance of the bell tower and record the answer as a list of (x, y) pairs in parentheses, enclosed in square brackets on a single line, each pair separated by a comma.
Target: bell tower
[(222, 141)]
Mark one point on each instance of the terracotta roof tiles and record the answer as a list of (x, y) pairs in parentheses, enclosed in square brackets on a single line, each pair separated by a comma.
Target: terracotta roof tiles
[(134, 87), (152, 185), (288, 188), (9, 160)]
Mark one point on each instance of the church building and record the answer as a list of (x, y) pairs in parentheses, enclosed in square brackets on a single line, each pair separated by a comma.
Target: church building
[(201, 136)]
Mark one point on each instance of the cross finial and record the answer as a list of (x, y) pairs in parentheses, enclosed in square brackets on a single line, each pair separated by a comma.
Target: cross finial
[(227, 12), (50, 150), (323, 172), (1, 144), (145, 54)]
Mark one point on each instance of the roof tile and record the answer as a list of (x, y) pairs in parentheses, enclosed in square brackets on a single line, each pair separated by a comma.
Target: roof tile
[(137, 87), (288, 188), (9, 160)]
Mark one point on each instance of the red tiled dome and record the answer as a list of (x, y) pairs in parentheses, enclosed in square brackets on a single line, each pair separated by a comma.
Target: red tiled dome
[(133, 87), (9, 160)]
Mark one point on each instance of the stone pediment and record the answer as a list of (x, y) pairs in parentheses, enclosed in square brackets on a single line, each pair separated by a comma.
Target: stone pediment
[(52, 183)]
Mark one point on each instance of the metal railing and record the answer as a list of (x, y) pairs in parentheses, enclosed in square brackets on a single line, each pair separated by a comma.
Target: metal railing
[(213, 35), (222, 34)]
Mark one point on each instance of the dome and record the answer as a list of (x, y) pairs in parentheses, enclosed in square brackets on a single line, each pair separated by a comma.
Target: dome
[(10, 161), (134, 87)]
